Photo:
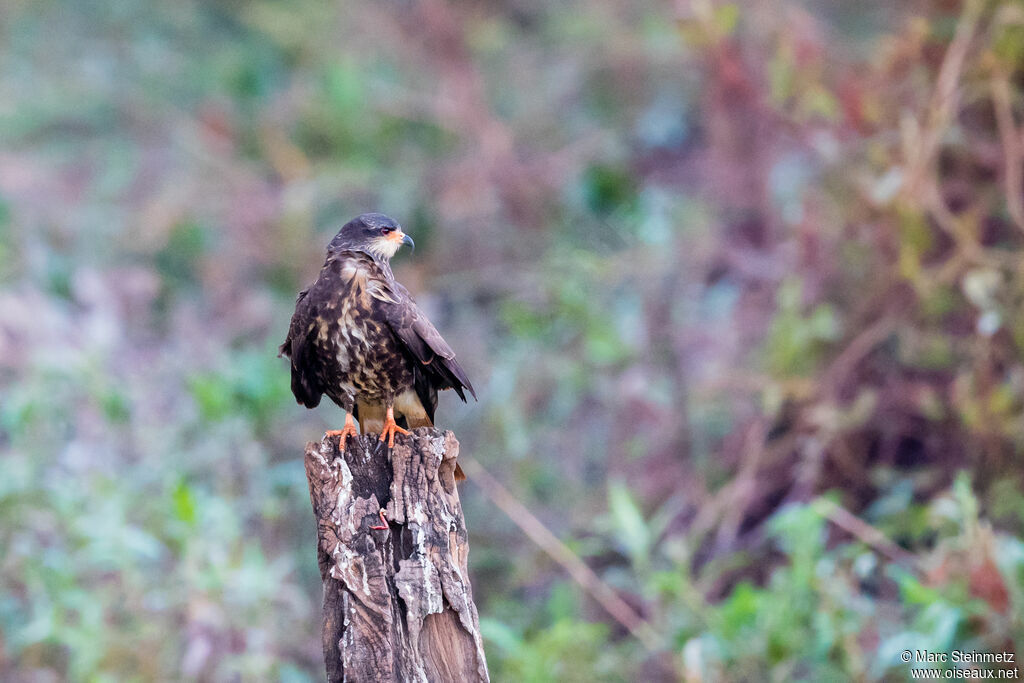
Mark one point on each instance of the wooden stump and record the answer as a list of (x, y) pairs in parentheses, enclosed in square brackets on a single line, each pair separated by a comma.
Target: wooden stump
[(397, 601)]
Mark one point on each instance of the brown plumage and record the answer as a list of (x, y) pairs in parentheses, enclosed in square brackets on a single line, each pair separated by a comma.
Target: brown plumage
[(358, 336)]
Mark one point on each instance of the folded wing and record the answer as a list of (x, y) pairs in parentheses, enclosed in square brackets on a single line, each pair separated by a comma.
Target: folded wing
[(434, 364), (298, 347)]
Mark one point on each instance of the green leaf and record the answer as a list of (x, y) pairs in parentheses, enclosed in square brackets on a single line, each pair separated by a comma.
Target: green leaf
[(184, 503), (629, 522)]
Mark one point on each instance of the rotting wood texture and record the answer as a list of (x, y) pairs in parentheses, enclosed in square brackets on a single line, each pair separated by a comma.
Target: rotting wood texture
[(398, 605)]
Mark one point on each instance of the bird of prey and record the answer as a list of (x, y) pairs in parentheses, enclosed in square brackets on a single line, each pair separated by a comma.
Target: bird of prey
[(358, 336)]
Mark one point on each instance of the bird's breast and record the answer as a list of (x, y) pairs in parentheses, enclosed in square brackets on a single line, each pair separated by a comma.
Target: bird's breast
[(364, 351)]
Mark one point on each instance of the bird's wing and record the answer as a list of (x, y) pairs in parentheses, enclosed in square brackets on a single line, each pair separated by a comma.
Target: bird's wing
[(435, 364), (298, 346), (286, 348)]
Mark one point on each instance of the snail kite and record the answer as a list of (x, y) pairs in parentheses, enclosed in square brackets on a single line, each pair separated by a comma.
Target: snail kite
[(358, 337)]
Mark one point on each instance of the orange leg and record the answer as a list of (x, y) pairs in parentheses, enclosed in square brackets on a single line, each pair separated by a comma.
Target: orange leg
[(383, 520), (390, 428), (348, 430)]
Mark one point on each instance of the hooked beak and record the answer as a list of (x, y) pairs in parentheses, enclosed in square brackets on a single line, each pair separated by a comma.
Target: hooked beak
[(399, 238)]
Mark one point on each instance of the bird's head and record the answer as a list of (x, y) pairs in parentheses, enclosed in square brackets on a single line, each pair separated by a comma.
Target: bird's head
[(372, 233)]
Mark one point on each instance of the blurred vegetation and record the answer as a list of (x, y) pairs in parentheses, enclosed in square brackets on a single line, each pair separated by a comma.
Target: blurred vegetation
[(740, 285)]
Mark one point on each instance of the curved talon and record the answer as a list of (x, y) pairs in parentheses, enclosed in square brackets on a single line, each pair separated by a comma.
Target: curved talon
[(348, 430), (390, 428), (384, 521)]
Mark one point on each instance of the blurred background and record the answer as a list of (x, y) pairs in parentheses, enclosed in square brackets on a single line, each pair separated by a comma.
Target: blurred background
[(739, 286)]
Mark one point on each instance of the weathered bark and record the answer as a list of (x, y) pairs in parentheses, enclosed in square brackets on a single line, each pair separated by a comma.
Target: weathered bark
[(397, 602)]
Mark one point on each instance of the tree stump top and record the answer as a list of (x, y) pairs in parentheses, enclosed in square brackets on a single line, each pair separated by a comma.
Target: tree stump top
[(398, 604)]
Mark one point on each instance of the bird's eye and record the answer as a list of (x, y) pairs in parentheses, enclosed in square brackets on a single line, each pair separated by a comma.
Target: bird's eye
[(385, 231)]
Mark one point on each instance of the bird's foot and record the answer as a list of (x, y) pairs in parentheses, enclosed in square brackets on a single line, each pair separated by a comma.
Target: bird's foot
[(348, 430), (391, 428)]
